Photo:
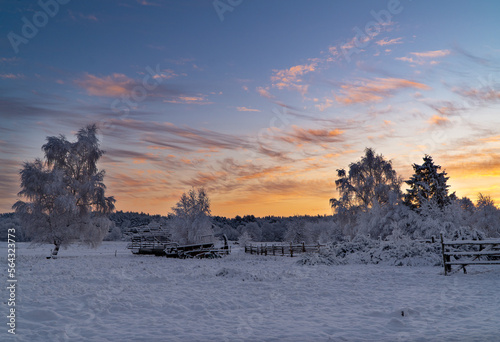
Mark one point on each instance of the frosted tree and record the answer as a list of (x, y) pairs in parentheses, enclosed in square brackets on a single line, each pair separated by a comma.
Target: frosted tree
[(296, 231), (191, 219), (427, 186), (368, 181), (65, 193)]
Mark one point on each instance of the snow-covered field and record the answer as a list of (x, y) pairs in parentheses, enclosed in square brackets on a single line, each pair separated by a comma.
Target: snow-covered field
[(94, 295)]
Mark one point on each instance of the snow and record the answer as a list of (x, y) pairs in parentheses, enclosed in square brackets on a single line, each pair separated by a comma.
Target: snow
[(91, 294)]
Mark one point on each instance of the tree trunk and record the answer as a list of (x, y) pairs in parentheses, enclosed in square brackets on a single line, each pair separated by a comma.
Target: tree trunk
[(55, 251)]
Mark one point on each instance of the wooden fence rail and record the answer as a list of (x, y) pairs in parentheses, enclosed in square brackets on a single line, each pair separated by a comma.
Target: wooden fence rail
[(282, 250), (469, 252)]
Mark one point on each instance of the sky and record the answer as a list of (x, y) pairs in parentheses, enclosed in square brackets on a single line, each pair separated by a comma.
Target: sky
[(259, 102)]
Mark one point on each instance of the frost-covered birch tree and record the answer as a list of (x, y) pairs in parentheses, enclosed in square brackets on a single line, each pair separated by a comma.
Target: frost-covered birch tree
[(368, 181), (65, 193), (191, 219)]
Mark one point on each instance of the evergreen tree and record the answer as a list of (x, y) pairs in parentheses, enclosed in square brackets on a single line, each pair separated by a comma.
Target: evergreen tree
[(66, 193), (427, 186)]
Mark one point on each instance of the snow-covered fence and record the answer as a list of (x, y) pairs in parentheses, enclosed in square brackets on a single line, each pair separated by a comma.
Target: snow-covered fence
[(469, 252), (283, 250)]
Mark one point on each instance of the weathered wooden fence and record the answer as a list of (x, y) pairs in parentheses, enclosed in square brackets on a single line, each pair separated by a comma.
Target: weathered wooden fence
[(282, 250), (469, 252)]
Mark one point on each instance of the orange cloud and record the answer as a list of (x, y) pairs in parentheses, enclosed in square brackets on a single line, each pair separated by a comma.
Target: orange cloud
[(374, 90), (291, 78), (111, 86), (438, 120)]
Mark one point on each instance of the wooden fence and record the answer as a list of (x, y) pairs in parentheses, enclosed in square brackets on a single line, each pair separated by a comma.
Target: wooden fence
[(282, 250), (469, 252)]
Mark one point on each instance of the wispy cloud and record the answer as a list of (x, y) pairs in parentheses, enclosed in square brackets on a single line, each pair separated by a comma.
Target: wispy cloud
[(482, 95), (301, 136), (427, 57), (148, 3), (264, 92), (387, 41), (11, 76), (245, 109), (78, 15), (199, 99), (178, 138), (374, 90)]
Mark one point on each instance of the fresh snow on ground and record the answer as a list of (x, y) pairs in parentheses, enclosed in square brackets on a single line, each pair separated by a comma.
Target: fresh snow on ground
[(91, 294)]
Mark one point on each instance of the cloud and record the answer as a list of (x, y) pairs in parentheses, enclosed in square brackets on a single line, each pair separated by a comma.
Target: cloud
[(148, 3), (292, 78), (11, 76), (438, 120), (199, 99), (422, 58), (245, 109), (431, 54), (111, 86), (374, 90), (182, 139), (9, 60), (299, 136), (387, 41), (78, 15), (264, 92), (325, 105), (480, 96)]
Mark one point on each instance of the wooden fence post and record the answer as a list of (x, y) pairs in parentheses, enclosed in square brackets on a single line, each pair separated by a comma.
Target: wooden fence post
[(291, 250), (446, 258), (303, 247)]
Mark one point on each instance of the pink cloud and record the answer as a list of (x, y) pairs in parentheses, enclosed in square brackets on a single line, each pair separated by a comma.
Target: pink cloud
[(264, 93), (374, 90), (387, 41)]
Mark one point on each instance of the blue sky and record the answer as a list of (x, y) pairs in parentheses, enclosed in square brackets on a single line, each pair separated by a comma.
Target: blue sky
[(261, 107)]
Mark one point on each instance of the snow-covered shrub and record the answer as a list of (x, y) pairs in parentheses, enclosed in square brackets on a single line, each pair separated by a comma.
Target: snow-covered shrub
[(245, 239), (114, 235), (322, 232), (400, 251)]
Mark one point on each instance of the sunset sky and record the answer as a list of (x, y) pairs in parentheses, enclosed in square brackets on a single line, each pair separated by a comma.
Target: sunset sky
[(258, 101)]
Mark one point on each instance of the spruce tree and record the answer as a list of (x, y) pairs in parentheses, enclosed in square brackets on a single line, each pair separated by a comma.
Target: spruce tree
[(427, 186)]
